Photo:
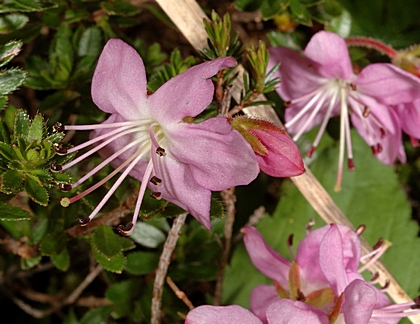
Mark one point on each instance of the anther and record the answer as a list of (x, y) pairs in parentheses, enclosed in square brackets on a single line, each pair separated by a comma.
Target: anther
[(350, 164), (160, 151), (359, 231), (125, 230), (386, 285), (60, 150), (366, 111), (310, 151), (287, 104), (378, 244), (290, 240), (309, 226), (83, 221), (417, 303), (383, 132), (379, 148), (55, 167), (156, 181), (157, 195), (65, 187), (374, 278), (58, 127), (300, 296), (353, 86)]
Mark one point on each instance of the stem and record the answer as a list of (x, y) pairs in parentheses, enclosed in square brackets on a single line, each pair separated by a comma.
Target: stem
[(371, 43), (164, 261), (229, 200)]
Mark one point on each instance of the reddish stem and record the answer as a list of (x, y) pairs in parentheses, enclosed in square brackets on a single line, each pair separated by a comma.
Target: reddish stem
[(383, 48)]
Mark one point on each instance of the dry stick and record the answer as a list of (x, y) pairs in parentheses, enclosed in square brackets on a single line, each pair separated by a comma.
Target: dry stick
[(164, 261), (229, 200), (179, 293), (188, 16)]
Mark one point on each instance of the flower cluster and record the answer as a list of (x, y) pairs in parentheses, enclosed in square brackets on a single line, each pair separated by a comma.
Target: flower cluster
[(321, 83), (321, 285)]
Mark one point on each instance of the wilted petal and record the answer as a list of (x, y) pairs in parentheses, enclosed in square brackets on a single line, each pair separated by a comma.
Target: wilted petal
[(329, 50), (285, 311), (187, 94), (221, 315), (359, 302), (261, 297), (264, 258), (218, 156), (119, 82)]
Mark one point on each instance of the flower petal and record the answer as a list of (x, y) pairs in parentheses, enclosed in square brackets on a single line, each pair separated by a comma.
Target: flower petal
[(119, 82), (286, 311), (261, 297), (187, 94), (388, 84), (359, 302), (264, 258), (221, 315), (180, 188), (409, 115), (218, 156), (330, 52), (283, 159)]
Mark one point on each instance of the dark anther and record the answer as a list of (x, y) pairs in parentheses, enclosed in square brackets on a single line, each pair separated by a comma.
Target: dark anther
[(157, 195), (83, 221), (300, 297), (156, 181), (383, 132), (366, 111), (353, 86), (310, 224), (350, 164), (125, 230), (65, 187), (375, 277), (374, 151), (55, 167), (387, 283), (160, 151), (417, 303), (310, 151), (379, 148), (378, 244), (290, 240), (58, 127), (287, 104), (60, 150), (360, 230)]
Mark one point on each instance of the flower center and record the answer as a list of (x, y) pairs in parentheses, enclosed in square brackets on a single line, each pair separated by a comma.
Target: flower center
[(141, 139)]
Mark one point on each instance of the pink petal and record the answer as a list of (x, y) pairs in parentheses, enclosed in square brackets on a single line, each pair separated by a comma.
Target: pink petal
[(180, 188), (286, 311), (261, 297), (187, 94), (409, 115), (359, 302), (119, 82), (283, 159), (331, 259), (218, 157), (330, 52), (221, 315), (264, 258), (388, 84)]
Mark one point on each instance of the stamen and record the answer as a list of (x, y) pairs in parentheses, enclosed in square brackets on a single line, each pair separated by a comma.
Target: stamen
[(359, 231), (385, 287), (309, 226), (343, 117), (110, 125), (84, 221), (366, 111), (126, 230), (156, 181), (55, 167), (289, 246), (375, 254), (374, 278), (65, 187), (156, 195), (160, 151), (60, 150), (304, 109), (383, 132), (310, 151), (353, 86), (350, 162), (58, 128)]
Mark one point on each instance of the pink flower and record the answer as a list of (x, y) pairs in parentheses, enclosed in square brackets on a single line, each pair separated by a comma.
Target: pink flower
[(321, 84), (150, 138), (277, 154), (322, 284), (409, 115)]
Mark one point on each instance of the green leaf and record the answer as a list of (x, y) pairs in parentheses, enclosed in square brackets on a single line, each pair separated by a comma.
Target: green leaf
[(27, 264), (120, 8), (39, 231), (141, 263), (27, 6), (106, 241), (7, 151), (53, 243), (9, 51), (35, 190), (13, 213), (10, 80), (248, 5), (75, 15), (22, 123), (126, 243), (113, 264), (36, 129), (300, 13), (97, 315), (122, 292), (147, 235), (3, 101), (91, 42), (11, 181), (270, 8), (12, 22), (61, 260)]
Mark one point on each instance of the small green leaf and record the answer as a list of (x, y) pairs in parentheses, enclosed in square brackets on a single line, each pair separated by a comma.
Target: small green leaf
[(11, 22), (27, 264), (98, 315), (3, 101), (248, 5), (147, 235), (122, 292), (126, 243), (113, 264), (53, 243), (10, 80), (4, 132), (106, 241), (39, 231), (35, 190), (120, 8), (75, 15), (11, 181), (36, 129), (9, 51), (270, 8), (141, 263), (22, 123), (300, 13), (61, 260), (7, 151), (27, 6), (90, 42), (12, 213)]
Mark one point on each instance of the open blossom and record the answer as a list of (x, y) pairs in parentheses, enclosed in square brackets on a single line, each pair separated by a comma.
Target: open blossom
[(149, 136), (321, 84), (409, 115)]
